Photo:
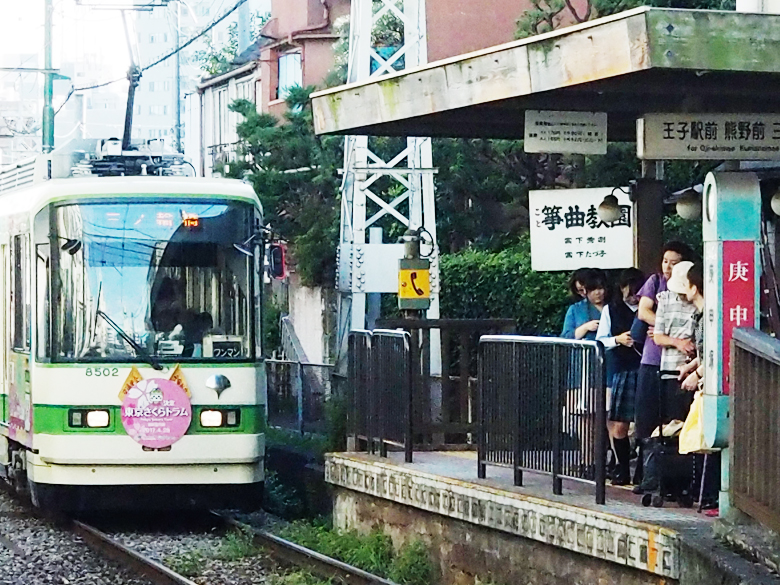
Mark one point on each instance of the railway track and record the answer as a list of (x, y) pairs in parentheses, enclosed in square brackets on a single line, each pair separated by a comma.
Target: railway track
[(103, 544), (284, 551), (316, 563)]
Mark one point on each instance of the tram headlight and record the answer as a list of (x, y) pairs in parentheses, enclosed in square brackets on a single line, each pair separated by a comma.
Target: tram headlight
[(211, 418), (226, 417), (97, 419), (94, 419)]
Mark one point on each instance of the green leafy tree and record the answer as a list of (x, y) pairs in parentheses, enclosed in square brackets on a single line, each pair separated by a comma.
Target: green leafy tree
[(547, 15), (214, 59), (295, 175)]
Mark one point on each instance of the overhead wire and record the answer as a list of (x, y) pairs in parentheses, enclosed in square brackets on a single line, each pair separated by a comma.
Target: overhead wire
[(158, 61)]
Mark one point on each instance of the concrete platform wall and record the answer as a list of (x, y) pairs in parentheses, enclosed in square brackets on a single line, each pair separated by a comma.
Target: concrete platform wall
[(468, 554)]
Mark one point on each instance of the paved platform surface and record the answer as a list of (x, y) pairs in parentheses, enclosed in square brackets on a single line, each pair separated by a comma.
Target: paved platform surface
[(462, 465)]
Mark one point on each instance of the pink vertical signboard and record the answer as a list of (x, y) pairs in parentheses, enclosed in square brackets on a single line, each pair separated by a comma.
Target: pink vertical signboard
[(739, 295)]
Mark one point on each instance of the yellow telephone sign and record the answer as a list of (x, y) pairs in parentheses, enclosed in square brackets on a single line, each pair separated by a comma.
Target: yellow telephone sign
[(414, 284)]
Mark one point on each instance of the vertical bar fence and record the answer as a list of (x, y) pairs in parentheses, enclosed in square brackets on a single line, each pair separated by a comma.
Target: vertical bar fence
[(379, 381), (543, 409), (297, 393), (755, 433)]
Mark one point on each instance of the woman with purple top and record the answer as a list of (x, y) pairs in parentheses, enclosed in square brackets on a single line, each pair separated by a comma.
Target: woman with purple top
[(648, 392)]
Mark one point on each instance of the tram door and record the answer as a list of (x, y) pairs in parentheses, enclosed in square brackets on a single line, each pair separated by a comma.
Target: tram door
[(4, 333)]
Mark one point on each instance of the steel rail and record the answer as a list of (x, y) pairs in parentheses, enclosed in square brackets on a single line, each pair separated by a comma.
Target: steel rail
[(108, 547), (318, 564)]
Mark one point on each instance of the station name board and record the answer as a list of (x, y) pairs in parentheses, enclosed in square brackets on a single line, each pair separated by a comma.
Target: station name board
[(708, 136)]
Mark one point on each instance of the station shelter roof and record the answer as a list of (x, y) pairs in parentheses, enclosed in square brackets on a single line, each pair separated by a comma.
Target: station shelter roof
[(629, 64)]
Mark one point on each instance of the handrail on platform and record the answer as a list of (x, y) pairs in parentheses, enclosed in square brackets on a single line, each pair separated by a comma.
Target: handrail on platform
[(755, 434), (543, 408)]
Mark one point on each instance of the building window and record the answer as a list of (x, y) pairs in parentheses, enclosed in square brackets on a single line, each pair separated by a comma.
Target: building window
[(290, 74), (166, 85), (151, 86)]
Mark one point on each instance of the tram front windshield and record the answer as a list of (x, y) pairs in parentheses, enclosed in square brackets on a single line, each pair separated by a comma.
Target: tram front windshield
[(166, 281)]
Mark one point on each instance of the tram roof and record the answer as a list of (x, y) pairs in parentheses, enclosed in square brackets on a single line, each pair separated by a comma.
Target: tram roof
[(35, 196), (629, 64)]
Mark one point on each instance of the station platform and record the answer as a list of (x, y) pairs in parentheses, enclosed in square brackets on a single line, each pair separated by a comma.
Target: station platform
[(445, 483)]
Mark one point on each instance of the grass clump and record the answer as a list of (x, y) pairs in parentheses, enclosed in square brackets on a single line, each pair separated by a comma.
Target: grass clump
[(374, 552), (297, 578), (412, 565), (281, 499), (188, 564), (236, 545)]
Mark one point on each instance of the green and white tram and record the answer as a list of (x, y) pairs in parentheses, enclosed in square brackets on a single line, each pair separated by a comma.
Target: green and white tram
[(129, 346)]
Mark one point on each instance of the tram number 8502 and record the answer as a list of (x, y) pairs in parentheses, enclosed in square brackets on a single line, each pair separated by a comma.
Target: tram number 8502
[(105, 372)]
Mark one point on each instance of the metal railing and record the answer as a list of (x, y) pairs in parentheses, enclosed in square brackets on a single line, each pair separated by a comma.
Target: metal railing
[(755, 433), (445, 408), (379, 390), (297, 393), (543, 408)]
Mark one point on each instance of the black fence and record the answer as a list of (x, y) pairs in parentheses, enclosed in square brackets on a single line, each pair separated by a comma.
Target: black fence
[(446, 415), (755, 434), (543, 408), (297, 393), (380, 390)]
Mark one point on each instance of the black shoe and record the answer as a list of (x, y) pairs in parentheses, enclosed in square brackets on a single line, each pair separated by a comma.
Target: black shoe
[(621, 479), (638, 490)]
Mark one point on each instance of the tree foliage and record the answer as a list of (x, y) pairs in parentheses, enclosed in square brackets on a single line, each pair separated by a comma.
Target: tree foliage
[(478, 284), (547, 15), (295, 175), (214, 60)]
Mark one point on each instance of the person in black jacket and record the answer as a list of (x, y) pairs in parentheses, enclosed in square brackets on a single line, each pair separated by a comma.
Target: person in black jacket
[(622, 367)]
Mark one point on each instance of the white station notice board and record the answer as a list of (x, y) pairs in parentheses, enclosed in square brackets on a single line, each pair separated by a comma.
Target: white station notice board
[(566, 232), (565, 132)]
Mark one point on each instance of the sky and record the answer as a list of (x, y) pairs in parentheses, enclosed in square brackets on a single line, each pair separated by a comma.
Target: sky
[(78, 31)]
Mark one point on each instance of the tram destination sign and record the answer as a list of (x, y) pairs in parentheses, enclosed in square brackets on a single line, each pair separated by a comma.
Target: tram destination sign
[(708, 137), (565, 132)]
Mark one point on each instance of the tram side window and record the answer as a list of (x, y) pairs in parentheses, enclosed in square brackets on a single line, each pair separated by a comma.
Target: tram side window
[(21, 294)]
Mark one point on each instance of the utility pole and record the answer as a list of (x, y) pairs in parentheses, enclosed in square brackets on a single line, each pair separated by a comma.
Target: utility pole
[(177, 99), (48, 84), (411, 169)]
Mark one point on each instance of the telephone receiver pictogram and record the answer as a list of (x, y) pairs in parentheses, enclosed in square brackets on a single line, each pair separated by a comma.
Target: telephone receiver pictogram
[(420, 292)]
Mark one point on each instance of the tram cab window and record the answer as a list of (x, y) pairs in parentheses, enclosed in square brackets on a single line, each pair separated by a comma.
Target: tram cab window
[(164, 274)]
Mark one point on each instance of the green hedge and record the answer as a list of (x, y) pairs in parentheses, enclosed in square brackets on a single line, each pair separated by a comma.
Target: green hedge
[(481, 284)]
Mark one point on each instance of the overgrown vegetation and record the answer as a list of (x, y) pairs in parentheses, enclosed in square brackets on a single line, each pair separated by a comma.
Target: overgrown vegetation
[(272, 331), (216, 59), (187, 564), (235, 545), (547, 15), (279, 498), (411, 565), (295, 175), (297, 578), (478, 284)]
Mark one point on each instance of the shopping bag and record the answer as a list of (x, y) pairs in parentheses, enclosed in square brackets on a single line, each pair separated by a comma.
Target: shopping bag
[(692, 434)]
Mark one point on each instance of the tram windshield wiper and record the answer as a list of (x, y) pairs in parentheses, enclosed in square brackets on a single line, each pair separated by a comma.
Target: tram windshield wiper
[(139, 350)]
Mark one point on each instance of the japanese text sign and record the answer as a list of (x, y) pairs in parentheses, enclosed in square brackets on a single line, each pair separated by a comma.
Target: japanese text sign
[(156, 412), (708, 136), (739, 295), (565, 132), (567, 233)]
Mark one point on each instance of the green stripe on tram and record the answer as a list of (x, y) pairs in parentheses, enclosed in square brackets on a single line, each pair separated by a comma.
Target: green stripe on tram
[(51, 419)]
